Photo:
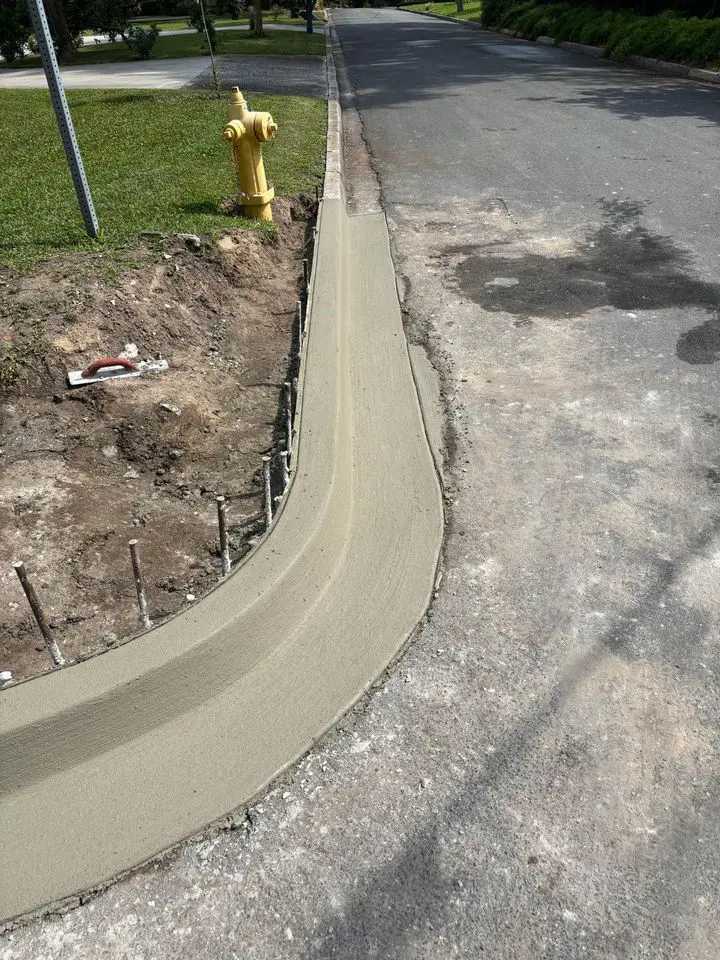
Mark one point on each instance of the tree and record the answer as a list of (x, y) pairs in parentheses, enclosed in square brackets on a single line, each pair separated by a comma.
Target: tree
[(257, 19), (60, 29)]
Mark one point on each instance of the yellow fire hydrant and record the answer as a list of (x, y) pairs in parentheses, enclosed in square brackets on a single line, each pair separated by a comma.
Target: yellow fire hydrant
[(245, 131)]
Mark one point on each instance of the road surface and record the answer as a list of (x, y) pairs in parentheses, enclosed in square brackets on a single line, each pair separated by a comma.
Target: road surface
[(539, 776)]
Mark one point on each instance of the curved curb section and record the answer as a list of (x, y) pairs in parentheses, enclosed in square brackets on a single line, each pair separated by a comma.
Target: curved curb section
[(106, 764)]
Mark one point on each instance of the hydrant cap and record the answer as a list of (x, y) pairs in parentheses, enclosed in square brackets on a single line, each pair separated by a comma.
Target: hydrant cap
[(233, 130), (264, 127)]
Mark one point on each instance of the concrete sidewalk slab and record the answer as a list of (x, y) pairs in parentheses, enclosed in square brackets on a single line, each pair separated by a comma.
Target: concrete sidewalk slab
[(145, 75)]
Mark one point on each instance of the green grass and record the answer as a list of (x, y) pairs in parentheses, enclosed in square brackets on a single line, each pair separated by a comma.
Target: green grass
[(277, 42), (242, 23), (155, 161), (471, 12)]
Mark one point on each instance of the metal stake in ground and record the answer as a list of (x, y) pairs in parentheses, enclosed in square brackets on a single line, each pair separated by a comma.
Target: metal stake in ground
[(57, 658), (224, 544), (139, 588), (306, 276), (285, 470), (62, 112), (268, 493), (301, 325), (294, 395), (288, 418)]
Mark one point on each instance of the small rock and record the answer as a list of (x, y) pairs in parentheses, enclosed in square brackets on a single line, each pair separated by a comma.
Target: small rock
[(190, 597), (130, 351), (57, 398), (110, 639), (175, 454), (191, 239), (5, 678), (39, 647), (131, 475), (171, 409)]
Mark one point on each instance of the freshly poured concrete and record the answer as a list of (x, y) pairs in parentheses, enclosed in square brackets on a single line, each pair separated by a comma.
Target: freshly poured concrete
[(109, 762)]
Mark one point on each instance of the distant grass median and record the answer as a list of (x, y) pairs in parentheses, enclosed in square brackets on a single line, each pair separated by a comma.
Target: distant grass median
[(156, 161), (471, 10), (277, 42)]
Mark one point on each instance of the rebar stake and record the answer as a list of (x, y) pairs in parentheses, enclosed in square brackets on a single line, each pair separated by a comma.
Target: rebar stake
[(300, 324), (306, 276), (295, 395), (268, 493), (50, 642), (288, 418), (285, 468), (139, 588), (224, 543)]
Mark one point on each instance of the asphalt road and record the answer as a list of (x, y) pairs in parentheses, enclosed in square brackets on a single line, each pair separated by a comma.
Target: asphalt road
[(539, 776)]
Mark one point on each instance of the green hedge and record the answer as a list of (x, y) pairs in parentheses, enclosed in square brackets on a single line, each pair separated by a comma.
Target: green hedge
[(621, 34)]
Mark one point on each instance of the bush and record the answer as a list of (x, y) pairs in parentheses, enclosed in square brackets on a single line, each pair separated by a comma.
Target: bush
[(15, 30), (141, 41), (621, 33), (195, 20)]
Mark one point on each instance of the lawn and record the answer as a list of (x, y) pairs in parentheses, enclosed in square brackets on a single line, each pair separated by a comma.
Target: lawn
[(277, 42), (155, 161), (471, 12), (242, 22)]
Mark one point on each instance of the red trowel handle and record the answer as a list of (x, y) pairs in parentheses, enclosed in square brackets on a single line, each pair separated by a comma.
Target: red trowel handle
[(97, 365)]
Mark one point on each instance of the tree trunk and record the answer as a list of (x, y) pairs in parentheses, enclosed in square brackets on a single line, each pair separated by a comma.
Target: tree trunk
[(460, 4), (60, 29), (258, 19)]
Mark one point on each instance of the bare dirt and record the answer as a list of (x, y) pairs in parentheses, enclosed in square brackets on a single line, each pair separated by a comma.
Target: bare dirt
[(82, 471)]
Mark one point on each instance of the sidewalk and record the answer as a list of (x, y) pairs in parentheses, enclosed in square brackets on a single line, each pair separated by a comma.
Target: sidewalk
[(292, 76)]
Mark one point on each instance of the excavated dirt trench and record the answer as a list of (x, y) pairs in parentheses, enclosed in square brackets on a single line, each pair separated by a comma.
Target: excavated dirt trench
[(83, 471)]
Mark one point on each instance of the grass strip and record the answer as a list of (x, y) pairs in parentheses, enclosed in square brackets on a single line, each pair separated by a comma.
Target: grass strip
[(155, 161), (471, 9), (275, 42)]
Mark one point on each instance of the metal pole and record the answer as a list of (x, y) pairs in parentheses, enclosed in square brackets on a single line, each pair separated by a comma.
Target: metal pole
[(288, 418), (139, 588), (268, 493), (308, 10), (285, 468), (54, 650), (62, 112), (224, 544)]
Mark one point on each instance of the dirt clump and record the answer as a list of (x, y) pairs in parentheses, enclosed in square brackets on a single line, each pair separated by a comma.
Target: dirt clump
[(84, 470)]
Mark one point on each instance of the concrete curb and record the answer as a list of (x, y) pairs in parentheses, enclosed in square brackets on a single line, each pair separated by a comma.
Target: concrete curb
[(644, 63), (333, 186), (141, 747)]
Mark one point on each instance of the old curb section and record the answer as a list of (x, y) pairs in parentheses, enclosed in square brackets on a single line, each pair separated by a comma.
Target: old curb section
[(644, 63), (113, 760)]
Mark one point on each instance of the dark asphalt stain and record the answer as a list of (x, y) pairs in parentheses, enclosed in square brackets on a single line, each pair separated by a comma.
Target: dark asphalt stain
[(621, 264), (701, 344)]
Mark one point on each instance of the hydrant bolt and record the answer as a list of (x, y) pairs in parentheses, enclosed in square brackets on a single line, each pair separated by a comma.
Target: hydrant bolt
[(245, 131)]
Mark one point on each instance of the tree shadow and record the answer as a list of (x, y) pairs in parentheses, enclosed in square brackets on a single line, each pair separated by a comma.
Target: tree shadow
[(411, 893), (394, 59)]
